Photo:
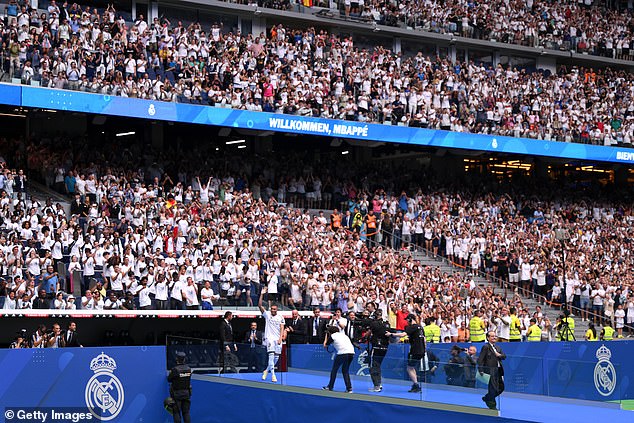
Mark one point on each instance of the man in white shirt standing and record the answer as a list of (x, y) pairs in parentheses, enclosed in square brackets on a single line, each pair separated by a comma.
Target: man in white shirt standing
[(191, 294), (345, 354), (273, 336)]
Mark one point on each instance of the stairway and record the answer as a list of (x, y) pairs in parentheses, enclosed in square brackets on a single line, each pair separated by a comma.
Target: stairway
[(529, 303)]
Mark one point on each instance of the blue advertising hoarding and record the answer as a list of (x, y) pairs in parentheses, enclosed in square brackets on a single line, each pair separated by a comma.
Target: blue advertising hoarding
[(206, 115), (11, 95), (581, 370), (117, 384)]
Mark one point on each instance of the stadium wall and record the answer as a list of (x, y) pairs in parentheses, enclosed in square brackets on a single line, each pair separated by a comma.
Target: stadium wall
[(253, 401)]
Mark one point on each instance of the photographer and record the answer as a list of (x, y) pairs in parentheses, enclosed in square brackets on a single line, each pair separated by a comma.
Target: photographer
[(345, 354), (20, 340), (454, 369), (378, 338)]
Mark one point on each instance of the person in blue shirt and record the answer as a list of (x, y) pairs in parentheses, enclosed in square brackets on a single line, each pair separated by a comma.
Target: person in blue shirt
[(69, 182), (51, 281)]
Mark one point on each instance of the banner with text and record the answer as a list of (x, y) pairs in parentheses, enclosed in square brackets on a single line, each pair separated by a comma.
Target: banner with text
[(219, 116)]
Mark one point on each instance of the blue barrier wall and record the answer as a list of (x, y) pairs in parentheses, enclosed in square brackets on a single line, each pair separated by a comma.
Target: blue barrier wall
[(258, 404), (132, 378), (579, 370), (188, 113)]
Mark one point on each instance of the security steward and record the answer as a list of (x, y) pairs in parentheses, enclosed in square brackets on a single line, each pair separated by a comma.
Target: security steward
[(181, 389), (515, 332), (607, 334), (477, 327), (357, 221), (534, 333), (335, 220), (432, 330), (371, 228)]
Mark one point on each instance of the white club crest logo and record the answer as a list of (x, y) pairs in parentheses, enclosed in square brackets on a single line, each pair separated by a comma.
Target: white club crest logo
[(151, 110), (604, 372), (104, 392)]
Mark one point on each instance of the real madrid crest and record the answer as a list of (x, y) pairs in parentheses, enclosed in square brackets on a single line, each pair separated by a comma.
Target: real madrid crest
[(104, 392), (604, 372)]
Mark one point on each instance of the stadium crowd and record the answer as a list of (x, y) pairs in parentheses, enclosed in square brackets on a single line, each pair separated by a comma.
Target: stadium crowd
[(310, 72), (587, 26), (166, 235)]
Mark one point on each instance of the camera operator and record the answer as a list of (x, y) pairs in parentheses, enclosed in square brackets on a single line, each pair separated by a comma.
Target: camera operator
[(565, 327), (378, 340), (20, 340)]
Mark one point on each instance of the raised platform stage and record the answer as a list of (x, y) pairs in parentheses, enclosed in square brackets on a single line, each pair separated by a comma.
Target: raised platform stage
[(298, 395)]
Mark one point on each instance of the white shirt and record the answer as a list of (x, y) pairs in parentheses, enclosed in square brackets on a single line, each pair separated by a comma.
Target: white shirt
[(191, 295), (342, 343), (273, 327)]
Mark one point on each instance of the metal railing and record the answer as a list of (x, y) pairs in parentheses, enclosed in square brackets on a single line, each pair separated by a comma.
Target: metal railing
[(504, 284)]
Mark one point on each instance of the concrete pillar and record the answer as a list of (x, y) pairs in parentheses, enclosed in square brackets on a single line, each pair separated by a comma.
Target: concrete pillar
[(259, 25), (546, 63), (452, 53), (495, 57), (134, 11), (152, 10), (540, 170), (157, 135), (397, 45), (620, 175)]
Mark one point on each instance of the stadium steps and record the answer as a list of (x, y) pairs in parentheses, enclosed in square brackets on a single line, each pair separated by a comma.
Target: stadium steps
[(529, 303), (41, 193)]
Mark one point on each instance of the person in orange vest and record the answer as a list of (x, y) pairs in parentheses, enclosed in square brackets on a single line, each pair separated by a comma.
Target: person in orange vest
[(370, 228), (335, 220)]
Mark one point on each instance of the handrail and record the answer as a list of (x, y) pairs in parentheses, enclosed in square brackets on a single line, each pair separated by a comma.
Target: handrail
[(506, 285)]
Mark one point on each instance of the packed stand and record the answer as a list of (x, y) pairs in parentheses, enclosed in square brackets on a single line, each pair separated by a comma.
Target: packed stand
[(313, 73), (593, 27), (164, 235)]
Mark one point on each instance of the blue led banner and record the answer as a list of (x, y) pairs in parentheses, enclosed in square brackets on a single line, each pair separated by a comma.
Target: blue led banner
[(205, 115), (10, 95)]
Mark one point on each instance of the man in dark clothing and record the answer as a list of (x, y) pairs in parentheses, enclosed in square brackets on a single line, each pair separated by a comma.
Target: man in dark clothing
[(180, 388), (227, 343), (470, 362), (253, 338), (416, 337), (490, 362), (379, 341), (454, 369)]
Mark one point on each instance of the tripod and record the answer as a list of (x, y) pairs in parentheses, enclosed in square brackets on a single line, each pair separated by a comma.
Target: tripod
[(565, 332)]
